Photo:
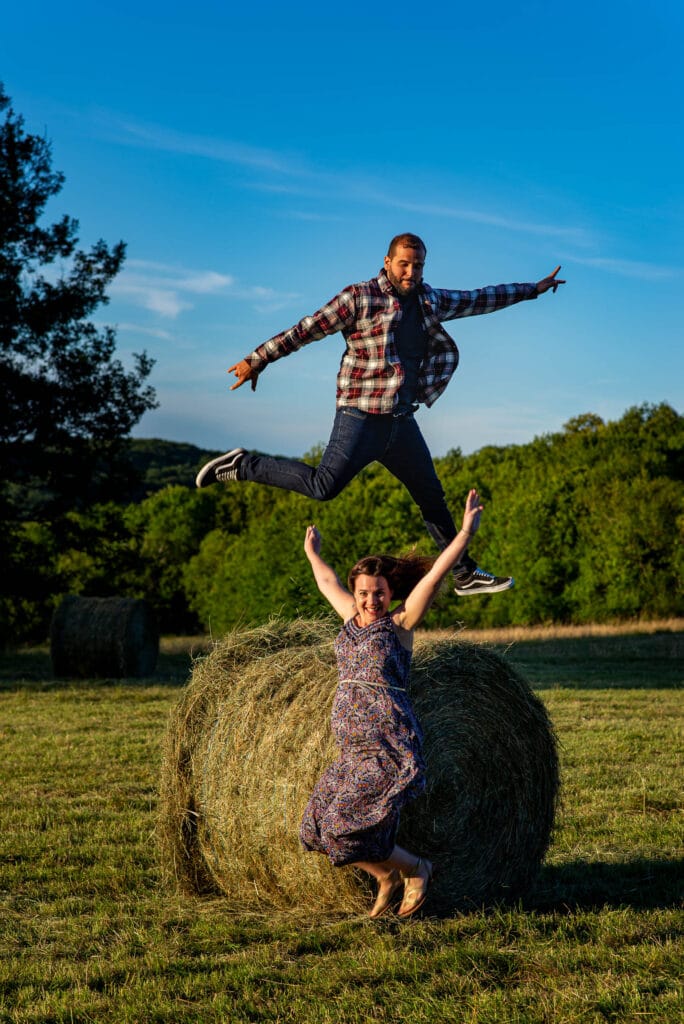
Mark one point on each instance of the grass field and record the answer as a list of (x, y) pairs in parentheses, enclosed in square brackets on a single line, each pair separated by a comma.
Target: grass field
[(88, 934)]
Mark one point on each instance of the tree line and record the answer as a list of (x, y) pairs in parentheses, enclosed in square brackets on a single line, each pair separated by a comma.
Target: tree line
[(589, 520)]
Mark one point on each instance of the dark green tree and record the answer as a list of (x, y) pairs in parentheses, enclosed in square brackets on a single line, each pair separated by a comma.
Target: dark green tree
[(67, 403)]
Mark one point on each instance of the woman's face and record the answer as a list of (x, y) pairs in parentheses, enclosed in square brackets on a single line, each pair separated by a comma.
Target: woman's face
[(372, 595)]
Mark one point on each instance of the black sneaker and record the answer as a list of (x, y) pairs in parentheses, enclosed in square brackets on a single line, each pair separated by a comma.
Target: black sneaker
[(221, 470), (477, 581)]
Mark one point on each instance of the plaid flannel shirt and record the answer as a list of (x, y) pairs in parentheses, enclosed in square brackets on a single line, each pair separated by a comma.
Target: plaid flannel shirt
[(370, 372)]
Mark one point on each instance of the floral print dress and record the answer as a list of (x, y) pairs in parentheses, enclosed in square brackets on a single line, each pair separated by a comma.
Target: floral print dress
[(353, 812)]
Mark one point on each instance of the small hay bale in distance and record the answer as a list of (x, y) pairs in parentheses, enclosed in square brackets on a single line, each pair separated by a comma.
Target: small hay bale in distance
[(251, 735), (112, 637)]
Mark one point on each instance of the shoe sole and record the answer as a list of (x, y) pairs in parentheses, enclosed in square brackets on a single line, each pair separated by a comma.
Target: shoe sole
[(478, 588), (206, 469)]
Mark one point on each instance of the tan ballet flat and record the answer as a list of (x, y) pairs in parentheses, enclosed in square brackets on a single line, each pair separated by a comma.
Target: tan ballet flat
[(415, 895), (384, 899)]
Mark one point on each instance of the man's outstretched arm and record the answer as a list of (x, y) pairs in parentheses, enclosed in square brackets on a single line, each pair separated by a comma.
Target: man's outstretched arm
[(454, 304), (329, 319)]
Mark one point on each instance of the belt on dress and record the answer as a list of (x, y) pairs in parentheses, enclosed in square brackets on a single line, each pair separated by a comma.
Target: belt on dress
[(379, 686)]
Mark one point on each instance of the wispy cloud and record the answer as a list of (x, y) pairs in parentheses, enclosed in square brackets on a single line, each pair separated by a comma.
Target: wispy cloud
[(157, 300), (367, 193), (199, 282), (628, 268), (304, 179), (168, 291), (212, 148), (267, 300), (151, 332), (324, 218), (575, 235)]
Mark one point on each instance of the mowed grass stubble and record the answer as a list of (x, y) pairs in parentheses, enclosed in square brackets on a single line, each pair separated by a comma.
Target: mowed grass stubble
[(87, 933)]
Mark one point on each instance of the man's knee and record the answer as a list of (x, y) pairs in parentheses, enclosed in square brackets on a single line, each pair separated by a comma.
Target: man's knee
[(325, 489)]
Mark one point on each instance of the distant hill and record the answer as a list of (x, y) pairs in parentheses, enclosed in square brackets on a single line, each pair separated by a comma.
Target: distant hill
[(160, 464)]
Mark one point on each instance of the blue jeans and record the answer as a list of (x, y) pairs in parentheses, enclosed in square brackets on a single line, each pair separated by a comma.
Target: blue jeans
[(357, 439)]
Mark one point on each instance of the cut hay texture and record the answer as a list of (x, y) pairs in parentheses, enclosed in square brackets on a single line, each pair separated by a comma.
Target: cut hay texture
[(112, 637), (251, 735)]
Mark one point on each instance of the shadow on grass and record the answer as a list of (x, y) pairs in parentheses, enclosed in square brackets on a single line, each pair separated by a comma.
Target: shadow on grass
[(643, 884), (627, 661), (31, 669), (639, 884)]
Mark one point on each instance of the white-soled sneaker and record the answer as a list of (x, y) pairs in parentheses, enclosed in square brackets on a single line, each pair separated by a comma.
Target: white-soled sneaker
[(222, 469), (477, 581)]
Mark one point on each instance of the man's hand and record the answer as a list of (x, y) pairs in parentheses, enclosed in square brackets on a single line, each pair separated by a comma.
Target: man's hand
[(244, 372), (549, 282)]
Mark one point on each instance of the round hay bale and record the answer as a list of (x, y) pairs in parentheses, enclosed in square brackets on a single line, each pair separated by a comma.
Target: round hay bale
[(251, 735), (103, 636)]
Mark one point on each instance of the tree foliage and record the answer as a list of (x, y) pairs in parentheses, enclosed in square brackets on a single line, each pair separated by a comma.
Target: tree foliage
[(67, 402), (590, 522)]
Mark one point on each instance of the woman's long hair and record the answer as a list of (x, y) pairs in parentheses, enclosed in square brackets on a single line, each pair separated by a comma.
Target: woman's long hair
[(401, 573)]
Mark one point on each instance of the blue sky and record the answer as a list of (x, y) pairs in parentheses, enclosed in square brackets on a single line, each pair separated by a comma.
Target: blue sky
[(257, 161)]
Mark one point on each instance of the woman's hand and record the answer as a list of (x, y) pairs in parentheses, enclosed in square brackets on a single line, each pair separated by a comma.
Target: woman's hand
[(326, 577), (411, 613), (312, 541), (472, 513)]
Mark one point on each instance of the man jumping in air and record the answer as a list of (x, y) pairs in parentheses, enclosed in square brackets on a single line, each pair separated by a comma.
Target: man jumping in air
[(398, 356)]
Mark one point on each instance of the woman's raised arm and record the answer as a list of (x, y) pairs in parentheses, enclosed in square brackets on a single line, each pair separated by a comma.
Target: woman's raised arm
[(413, 611), (326, 578)]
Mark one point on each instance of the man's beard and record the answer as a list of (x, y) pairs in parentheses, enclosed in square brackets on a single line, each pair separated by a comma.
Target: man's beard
[(402, 289)]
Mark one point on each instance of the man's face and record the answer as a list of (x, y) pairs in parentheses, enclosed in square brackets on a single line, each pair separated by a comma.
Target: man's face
[(405, 268)]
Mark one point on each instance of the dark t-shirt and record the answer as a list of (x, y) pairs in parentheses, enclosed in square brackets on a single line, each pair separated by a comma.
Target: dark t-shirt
[(410, 341)]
